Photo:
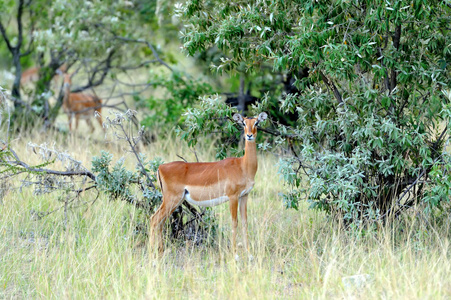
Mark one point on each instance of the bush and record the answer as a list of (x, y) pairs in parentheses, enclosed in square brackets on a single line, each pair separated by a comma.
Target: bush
[(180, 92), (372, 122)]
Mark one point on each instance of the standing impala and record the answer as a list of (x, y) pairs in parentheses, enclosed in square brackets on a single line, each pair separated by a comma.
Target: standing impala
[(31, 75), (210, 183), (80, 105)]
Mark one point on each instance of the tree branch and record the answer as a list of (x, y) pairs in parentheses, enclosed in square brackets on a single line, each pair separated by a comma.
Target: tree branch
[(20, 25), (30, 43), (396, 42), (19, 162), (97, 69), (133, 148), (5, 37), (17, 101), (278, 133), (332, 86), (386, 79), (149, 45)]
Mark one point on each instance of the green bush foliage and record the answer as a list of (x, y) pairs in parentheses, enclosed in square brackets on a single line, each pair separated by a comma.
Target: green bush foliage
[(371, 134), (117, 181), (180, 92)]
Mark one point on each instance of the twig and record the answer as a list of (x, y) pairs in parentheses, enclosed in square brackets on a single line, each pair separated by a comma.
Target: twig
[(332, 86), (132, 147), (19, 162), (181, 158), (195, 154)]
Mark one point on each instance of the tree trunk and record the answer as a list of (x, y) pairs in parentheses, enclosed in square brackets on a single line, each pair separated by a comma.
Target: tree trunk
[(241, 97)]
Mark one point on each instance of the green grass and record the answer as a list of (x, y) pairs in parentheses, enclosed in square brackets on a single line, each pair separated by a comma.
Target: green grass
[(91, 252)]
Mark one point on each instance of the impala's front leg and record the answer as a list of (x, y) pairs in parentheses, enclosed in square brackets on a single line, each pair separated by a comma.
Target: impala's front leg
[(243, 215), (69, 121), (234, 212)]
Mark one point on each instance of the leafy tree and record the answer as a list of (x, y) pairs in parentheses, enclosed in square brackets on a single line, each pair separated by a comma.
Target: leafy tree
[(96, 39), (181, 91), (371, 119)]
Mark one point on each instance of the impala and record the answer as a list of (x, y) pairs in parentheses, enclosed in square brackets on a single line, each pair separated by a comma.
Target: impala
[(31, 75), (210, 183), (80, 105)]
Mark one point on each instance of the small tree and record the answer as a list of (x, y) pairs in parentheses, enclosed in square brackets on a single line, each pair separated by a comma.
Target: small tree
[(98, 40), (372, 121)]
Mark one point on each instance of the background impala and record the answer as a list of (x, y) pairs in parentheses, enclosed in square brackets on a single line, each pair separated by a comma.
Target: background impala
[(80, 105)]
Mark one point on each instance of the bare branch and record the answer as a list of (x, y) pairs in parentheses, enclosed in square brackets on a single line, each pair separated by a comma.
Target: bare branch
[(5, 37), (181, 157), (19, 24), (23, 103), (149, 45), (127, 68), (195, 154), (386, 79), (396, 42), (133, 148), (332, 86), (30, 43), (278, 133), (19, 162), (97, 69)]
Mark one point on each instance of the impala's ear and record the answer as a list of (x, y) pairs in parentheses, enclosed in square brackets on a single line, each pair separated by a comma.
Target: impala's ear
[(261, 117), (238, 118)]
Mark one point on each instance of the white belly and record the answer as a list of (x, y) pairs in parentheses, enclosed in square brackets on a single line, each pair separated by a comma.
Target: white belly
[(206, 203), (246, 191), (213, 201)]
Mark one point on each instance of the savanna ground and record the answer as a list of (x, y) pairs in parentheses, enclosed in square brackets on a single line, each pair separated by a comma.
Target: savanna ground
[(91, 251)]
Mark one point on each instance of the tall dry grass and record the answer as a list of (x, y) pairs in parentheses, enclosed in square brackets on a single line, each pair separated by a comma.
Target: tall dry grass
[(91, 253)]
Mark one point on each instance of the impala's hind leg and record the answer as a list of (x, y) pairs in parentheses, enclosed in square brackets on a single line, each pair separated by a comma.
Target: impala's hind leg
[(88, 121), (170, 203), (77, 119), (99, 119)]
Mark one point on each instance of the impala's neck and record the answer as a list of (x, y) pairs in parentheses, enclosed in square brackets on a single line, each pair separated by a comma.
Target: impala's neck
[(249, 161), (66, 95)]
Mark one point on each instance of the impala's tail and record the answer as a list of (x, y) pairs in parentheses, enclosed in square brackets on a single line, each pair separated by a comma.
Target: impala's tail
[(159, 180), (98, 102)]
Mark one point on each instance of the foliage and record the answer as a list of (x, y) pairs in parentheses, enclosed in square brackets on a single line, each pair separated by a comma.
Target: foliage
[(42, 259), (211, 117), (372, 123), (66, 185), (117, 182), (98, 40), (180, 91), (137, 187)]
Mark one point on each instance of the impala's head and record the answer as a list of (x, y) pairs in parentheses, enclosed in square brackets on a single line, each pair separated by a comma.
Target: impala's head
[(66, 77), (250, 125)]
